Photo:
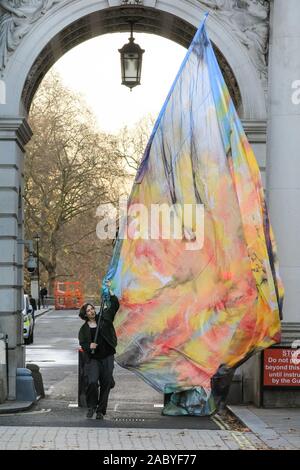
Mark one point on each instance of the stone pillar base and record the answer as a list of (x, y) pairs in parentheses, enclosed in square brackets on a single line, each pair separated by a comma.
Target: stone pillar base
[(248, 386)]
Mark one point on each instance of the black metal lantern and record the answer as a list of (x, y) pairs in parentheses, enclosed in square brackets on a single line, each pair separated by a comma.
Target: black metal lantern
[(131, 62)]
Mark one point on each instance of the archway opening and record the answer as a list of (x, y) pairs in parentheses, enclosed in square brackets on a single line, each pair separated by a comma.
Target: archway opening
[(38, 71)]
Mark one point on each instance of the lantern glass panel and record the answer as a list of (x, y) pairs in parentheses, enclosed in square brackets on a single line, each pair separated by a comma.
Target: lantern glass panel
[(131, 63)]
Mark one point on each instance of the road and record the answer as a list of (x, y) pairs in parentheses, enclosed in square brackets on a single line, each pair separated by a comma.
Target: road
[(132, 402)]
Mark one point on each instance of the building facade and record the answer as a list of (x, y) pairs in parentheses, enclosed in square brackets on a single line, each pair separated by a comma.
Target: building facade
[(257, 43)]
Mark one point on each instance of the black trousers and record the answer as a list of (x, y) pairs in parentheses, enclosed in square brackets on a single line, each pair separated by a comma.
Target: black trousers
[(98, 374)]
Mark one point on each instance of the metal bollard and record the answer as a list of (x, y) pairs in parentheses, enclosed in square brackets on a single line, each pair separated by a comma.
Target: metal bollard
[(37, 379)]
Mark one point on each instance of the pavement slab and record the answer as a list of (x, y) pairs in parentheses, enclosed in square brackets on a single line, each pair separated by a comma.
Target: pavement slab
[(265, 426), (78, 438)]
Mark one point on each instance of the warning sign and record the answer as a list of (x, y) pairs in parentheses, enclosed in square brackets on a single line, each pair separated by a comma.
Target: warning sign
[(282, 367)]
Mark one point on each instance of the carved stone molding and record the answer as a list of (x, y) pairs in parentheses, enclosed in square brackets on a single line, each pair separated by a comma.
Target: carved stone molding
[(249, 21), (256, 130), (16, 19), (16, 129), (131, 2), (290, 333)]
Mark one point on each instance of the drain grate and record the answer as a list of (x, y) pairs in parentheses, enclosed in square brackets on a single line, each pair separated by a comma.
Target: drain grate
[(132, 420)]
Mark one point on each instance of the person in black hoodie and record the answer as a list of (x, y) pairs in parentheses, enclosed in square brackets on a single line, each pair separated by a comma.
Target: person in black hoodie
[(99, 365)]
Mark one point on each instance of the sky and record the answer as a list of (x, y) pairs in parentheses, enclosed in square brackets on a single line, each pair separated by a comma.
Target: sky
[(93, 68)]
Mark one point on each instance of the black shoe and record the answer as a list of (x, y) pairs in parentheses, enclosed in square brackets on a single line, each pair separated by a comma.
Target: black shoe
[(90, 412), (99, 415)]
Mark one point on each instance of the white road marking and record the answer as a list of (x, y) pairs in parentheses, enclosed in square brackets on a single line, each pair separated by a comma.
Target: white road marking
[(27, 412)]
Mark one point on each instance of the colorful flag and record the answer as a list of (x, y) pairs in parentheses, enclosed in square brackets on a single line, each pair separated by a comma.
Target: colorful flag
[(194, 308)]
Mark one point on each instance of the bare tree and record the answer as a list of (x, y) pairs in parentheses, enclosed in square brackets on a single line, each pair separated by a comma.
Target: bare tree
[(71, 168), (132, 143)]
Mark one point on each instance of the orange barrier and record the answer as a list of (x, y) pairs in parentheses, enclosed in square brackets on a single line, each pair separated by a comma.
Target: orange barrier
[(67, 295)]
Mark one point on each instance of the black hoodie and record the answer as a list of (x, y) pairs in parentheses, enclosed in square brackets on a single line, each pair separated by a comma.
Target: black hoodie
[(106, 332)]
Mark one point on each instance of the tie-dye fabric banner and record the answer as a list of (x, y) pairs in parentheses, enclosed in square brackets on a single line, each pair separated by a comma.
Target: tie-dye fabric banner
[(193, 309)]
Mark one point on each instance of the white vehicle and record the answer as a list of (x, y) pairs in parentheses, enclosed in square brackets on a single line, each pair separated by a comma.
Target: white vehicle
[(28, 323)]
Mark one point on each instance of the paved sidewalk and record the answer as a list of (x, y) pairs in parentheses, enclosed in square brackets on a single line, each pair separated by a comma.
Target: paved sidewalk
[(278, 428), (54, 438)]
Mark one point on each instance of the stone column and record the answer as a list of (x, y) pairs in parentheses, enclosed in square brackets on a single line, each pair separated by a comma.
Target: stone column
[(245, 386), (283, 168), (14, 134), (256, 131), (283, 154)]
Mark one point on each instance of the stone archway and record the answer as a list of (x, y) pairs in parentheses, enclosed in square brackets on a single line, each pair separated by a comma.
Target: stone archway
[(104, 22), (36, 34), (67, 23)]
